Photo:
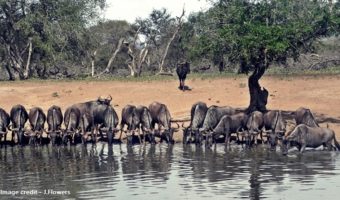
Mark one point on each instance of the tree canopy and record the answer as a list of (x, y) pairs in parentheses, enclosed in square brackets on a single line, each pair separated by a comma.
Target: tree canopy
[(255, 34)]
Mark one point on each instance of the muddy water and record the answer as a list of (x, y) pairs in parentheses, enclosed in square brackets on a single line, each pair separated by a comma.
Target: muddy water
[(166, 172)]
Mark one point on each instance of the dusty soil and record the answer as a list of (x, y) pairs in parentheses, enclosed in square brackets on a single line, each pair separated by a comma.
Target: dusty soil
[(319, 93)]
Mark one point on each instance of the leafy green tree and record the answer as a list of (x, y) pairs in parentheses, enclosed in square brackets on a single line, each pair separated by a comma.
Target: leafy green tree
[(255, 34), (43, 32)]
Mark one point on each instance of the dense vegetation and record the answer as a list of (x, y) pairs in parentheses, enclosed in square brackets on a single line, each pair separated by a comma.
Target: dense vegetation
[(67, 38)]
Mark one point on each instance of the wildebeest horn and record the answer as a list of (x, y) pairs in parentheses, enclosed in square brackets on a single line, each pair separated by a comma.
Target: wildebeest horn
[(185, 126), (110, 98), (15, 129), (177, 126)]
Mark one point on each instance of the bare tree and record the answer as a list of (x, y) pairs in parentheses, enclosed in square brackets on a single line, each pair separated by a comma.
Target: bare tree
[(178, 27)]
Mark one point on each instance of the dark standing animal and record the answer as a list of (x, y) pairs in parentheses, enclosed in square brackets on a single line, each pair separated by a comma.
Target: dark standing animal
[(19, 117), (54, 121), (4, 124), (92, 112), (197, 115), (305, 116), (130, 117), (145, 123), (305, 136), (227, 125), (254, 127), (72, 119), (161, 116), (212, 117), (182, 70), (110, 124), (275, 127), (37, 119)]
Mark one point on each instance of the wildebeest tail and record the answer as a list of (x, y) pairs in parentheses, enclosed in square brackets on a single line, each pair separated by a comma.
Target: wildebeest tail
[(336, 143), (53, 119)]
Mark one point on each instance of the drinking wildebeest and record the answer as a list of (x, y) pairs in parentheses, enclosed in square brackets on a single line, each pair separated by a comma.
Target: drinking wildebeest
[(110, 124), (4, 124), (145, 123), (72, 120), (54, 121), (19, 117), (305, 116), (130, 117), (197, 115), (227, 125), (93, 111), (182, 70), (161, 116), (305, 136), (254, 127), (275, 127), (212, 117), (37, 119)]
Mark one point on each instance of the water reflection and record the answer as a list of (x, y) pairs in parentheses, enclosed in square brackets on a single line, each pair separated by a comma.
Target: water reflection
[(167, 172)]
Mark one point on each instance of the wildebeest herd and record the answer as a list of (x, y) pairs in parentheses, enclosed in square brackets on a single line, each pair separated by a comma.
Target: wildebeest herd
[(97, 119)]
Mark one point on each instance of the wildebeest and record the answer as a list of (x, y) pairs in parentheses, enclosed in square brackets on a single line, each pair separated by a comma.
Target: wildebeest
[(254, 127), (197, 115), (4, 124), (161, 116), (37, 119), (54, 121), (130, 117), (110, 123), (305, 136), (305, 116), (227, 125), (19, 117), (145, 123), (182, 70), (93, 112), (72, 120), (275, 127), (212, 117)]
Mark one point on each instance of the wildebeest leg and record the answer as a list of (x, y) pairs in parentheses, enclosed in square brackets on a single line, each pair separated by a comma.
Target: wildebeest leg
[(226, 141), (121, 132), (261, 136), (139, 138), (303, 147)]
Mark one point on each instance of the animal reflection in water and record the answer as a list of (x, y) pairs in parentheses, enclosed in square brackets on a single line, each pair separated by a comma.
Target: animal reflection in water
[(193, 169)]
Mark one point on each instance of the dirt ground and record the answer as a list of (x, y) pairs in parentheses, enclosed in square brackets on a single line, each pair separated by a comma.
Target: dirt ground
[(319, 93)]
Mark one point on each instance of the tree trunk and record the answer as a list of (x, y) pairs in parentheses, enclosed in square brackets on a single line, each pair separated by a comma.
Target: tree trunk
[(93, 58), (11, 76), (258, 96), (27, 68), (179, 26), (108, 67)]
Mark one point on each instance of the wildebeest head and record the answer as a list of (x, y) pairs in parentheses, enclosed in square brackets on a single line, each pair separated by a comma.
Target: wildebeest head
[(105, 100), (278, 132), (169, 133), (209, 139), (188, 132), (129, 135)]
